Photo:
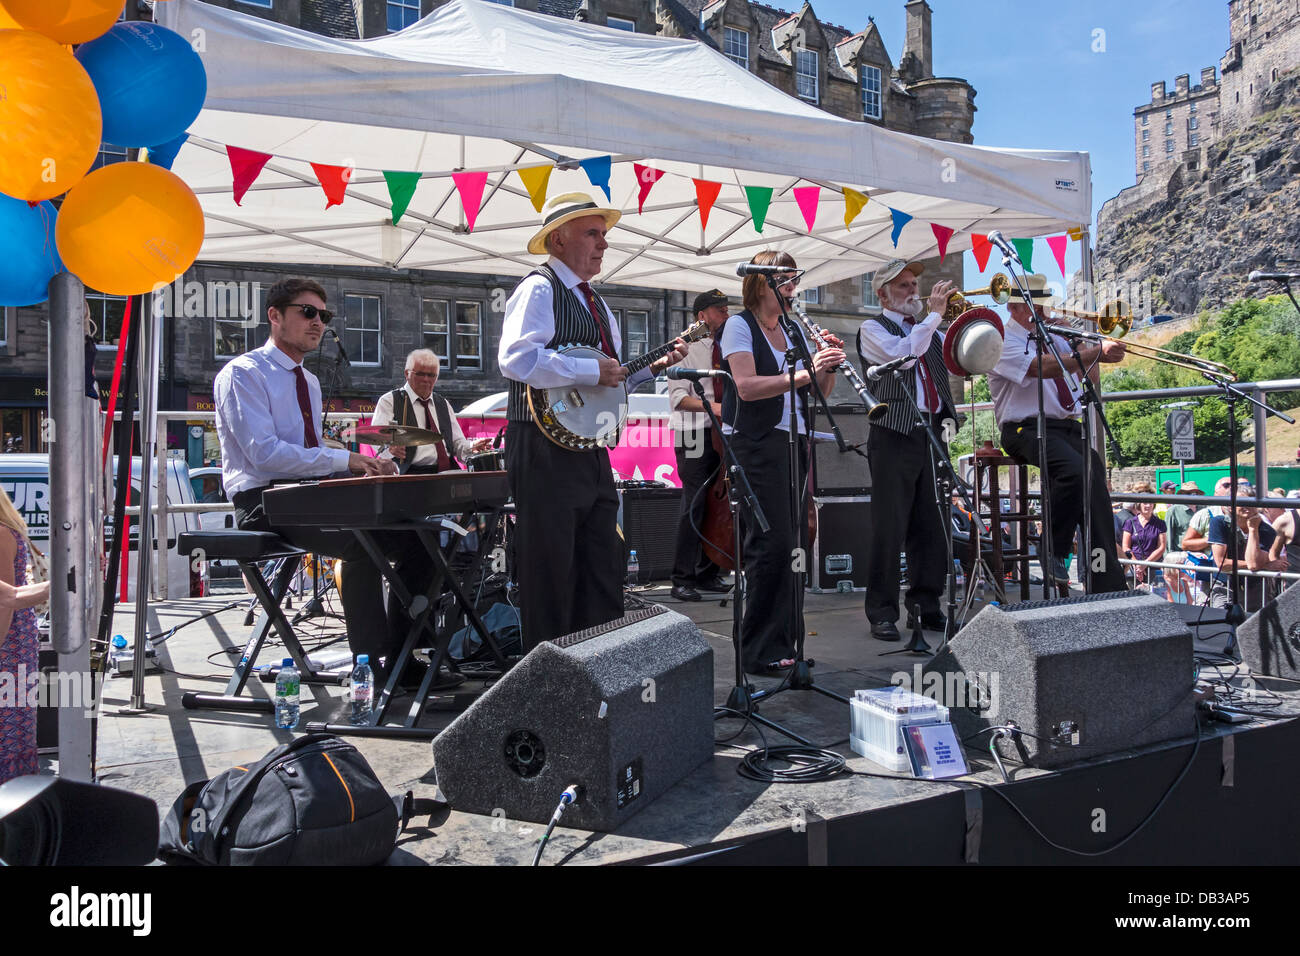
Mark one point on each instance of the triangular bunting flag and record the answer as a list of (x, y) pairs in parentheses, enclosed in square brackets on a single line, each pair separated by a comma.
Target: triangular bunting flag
[(901, 219), (941, 235), (981, 247), (470, 186), (759, 197), (706, 193), (597, 169), (245, 165), (535, 180), (334, 180), (1076, 234), (165, 154), (1025, 250), (646, 176), (853, 203), (1057, 244), (808, 197), (401, 187)]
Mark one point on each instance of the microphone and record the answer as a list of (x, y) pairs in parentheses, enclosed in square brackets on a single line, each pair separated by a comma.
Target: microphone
[(877, 372), (749, 269), (339, 342), (995, 237), (695, 374), (1258, 276)]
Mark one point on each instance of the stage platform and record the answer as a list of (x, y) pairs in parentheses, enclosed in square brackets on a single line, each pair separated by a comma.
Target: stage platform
[(1230, 806)]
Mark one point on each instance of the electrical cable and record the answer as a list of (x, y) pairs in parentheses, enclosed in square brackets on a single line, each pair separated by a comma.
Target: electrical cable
[(808, 765), (569, 796)]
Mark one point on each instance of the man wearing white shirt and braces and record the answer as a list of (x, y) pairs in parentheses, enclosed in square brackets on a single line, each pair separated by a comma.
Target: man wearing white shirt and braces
[(569, 558), (268, 418), (415, 404)]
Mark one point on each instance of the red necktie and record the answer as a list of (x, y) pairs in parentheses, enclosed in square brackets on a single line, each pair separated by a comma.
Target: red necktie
[(1063, 395), (597, 313), (931, 393), (444, 462), (717, 364), (304, 404)]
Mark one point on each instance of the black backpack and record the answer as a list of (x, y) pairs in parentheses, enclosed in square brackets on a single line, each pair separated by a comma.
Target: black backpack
[(312, 802)]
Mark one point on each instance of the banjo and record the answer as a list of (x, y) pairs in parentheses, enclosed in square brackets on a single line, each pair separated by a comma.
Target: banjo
[(583, 417)]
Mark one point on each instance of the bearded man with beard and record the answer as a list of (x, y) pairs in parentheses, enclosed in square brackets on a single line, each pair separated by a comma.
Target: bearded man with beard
[(905, 513)]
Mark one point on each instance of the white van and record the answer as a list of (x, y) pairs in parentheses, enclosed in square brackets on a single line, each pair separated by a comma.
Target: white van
[(26, 478)]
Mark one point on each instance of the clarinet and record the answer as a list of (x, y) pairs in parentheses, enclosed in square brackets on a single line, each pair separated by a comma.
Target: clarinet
[(875, 408)]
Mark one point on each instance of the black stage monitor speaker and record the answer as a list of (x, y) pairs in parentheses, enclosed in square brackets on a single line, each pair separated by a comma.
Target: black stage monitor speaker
[(650, 526), (1270, 638), (1084, 676), (839, 553), (624, 710), (836, 473)]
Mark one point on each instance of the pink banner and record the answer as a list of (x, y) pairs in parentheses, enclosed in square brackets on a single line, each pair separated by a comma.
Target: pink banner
[(1057, 244), (807, 197), (470, 186)]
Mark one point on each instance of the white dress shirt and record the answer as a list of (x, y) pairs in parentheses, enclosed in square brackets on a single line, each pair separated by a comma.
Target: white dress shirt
[(530, 323), (878, 346), (736, 338), (260, 426), (1014, 387), (699, 354), (456, 442)]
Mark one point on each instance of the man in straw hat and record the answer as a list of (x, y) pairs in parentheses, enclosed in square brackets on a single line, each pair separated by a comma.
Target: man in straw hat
[(1014, 384), (569, 557), (904, 511)]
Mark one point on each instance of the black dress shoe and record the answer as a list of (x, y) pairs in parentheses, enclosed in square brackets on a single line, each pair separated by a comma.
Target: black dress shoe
[(929, 622), (684, 593), (713, 586), (885, 631)]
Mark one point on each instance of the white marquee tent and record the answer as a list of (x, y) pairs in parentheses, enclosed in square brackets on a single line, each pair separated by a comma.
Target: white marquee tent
[(480, 86)]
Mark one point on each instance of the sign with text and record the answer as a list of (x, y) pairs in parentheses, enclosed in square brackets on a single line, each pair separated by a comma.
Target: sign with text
[(1182, 434)]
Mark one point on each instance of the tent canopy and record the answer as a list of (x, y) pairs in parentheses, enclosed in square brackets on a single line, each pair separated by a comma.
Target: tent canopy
[(483, 87)]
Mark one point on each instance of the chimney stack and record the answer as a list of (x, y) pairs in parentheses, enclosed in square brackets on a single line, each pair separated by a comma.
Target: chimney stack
[(1182, 84), (1207, 77), (1158, 92), (918, 36)]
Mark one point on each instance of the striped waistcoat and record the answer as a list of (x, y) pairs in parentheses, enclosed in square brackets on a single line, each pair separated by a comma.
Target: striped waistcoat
[(901, 417), (574, 325)]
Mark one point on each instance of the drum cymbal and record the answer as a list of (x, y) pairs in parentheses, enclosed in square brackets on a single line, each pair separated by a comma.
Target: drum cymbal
[(396, 435)]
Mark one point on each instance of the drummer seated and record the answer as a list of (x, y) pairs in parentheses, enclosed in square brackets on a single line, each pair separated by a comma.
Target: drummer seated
[(415, 405)]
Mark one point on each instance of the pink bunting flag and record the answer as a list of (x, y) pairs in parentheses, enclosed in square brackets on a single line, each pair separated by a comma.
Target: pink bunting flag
[(980, 245), (941, 235), (808, 197), (1057, 244), (334, 180), (245, 166), (646, 176), (470, 186), (706, 193)]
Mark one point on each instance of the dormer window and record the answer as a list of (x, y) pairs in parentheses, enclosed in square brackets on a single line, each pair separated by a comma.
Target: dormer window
[(870, 92), (805, 74)]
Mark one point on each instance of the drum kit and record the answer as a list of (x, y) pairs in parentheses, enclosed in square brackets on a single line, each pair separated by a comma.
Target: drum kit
[(409, 436)]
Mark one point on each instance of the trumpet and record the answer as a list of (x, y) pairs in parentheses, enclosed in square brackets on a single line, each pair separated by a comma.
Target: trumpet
[(1152, 352), (999, 288), (875, 408)]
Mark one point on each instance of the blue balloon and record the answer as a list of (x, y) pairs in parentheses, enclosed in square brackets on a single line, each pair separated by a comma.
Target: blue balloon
[(151, 83), (27, 250)]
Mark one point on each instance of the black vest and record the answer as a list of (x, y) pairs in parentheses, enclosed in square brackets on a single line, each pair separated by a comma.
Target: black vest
[(901, 417), (756, 419), (404, 414), (574, 325)]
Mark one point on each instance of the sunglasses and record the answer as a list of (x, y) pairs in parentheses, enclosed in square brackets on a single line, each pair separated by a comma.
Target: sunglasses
[(310, 312)]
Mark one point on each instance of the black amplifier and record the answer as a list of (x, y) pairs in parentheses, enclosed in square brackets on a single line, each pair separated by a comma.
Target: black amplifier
[(650, 526), (837, 473), (839, 555)]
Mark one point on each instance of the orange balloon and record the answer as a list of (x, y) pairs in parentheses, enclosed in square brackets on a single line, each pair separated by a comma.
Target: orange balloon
[(7, 22), (129, 227), (50, 121), (67, 21)]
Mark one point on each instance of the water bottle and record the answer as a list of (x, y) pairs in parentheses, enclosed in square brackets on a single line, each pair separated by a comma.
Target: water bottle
[(633, 568), (286, 695), (959, 579), (361, 691), (119, 651)]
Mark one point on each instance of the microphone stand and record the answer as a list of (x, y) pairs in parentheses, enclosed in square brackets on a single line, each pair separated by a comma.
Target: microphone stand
[(742, 699)]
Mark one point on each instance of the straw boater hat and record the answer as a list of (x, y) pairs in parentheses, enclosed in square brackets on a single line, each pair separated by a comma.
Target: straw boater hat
[(1040, 290), (563, 208), (890, 271)]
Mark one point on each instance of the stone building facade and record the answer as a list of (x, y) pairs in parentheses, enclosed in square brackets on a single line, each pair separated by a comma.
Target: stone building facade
[(387, 313)]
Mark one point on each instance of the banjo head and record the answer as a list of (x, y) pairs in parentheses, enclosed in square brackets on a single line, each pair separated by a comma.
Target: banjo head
[(581, 417)]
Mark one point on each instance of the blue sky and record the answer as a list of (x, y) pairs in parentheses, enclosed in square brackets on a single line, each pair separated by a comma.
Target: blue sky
[(1039, 83)]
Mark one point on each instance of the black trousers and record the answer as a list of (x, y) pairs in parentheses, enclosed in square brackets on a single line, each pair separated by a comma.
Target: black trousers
[(1065, 486), (697, 461), (372, 628), (904, 516), (569, 558), (768, 631)]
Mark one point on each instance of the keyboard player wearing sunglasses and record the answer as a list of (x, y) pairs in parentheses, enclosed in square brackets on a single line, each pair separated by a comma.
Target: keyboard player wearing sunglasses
[(268, 413)]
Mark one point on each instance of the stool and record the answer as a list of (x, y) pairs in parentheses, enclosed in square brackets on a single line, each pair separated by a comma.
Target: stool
[(988, 462), (248, 549)]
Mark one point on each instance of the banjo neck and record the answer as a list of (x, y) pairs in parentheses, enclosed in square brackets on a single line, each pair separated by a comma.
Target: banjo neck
[(697, 331)]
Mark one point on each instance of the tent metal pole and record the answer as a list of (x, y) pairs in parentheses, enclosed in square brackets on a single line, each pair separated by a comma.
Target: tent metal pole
[(148, 378)]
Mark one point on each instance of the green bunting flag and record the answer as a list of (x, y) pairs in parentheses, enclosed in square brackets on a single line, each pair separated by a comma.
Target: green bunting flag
[(760, 197), (1025, 249), (401, 187)]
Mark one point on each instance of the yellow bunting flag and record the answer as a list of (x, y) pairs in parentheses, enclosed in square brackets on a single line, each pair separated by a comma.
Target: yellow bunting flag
[(1076, 234), (535, 179), (853, 203)]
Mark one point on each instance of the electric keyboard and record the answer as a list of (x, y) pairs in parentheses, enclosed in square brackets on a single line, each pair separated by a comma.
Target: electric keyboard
[(382, 500)]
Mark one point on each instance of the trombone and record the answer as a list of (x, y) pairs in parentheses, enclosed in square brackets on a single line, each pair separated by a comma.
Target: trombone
[(1193, 362), (1115, 314)]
